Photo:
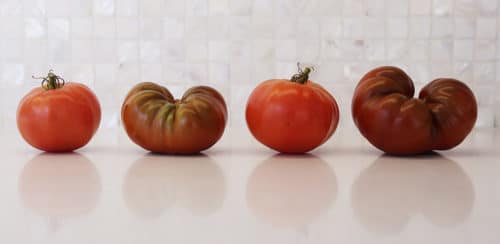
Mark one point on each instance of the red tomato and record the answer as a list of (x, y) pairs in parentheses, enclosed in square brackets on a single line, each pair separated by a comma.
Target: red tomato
[(59, 116), (388, 115), (292, 116)]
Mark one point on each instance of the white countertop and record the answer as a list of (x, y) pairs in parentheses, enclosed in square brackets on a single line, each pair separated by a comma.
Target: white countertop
[(240, 192)]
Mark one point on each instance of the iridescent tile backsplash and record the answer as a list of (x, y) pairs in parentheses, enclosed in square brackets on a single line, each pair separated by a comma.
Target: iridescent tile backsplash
[(235, 44)]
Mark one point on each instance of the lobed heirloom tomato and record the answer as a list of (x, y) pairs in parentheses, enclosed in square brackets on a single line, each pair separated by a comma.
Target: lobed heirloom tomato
[(292, 116), (392, 120), (156, 121), (58, 116)]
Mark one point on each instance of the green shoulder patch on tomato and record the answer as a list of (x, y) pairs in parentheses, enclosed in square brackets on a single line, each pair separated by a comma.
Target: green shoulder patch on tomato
[(156, 121), (292, 116), (58, 116)]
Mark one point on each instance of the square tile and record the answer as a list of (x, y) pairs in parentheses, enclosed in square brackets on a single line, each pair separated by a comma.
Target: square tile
[(127, 51), (150, 52), (104, 7), (151, 28), (286, 50), (442, 27), (197, 50), (173, 50), (465, 27), (127, 28), (219, 51), (173, 28), (420, 7), (104, 28), (375, 8), (419, 27), (196, 7), (218, 7), (442, 7), (126, 8), (155, 8), (419, 50), (377, 27), (463, 50), (375, 50), (82, 28), (486, 28), (35, 28), (397, 7), (485, 50), (34, 8), (397, 28), (82, 51), (13, 50), (353, 7), (218, 28), (441, 50)]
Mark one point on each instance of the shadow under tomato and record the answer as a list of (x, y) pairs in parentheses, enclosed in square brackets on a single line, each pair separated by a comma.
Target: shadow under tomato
[(291, 191), (393, 189), (59, 186), (156, 182)]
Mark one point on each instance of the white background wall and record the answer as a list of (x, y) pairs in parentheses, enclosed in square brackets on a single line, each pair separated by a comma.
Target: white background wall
[(235, 44)]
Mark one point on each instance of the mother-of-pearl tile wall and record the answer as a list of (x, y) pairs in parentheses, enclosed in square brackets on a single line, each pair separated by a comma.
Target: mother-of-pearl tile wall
[(235, 44)]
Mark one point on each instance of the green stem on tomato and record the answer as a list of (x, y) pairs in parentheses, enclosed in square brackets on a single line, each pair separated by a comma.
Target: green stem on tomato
[(303, 75), (51, 81)]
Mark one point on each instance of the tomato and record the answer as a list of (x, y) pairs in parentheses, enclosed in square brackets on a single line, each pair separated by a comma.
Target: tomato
[(58, 116), (292, 116), (387, 114), (156, 121)]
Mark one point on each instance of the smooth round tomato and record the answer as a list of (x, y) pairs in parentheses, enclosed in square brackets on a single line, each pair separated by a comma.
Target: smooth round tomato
[(58, 116), (156, 121), (292, 116), (388, 115)]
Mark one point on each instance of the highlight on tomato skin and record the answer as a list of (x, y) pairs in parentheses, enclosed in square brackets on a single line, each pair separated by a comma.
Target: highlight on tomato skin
[(58, 116), (293, 115), (156, 121), (392, 120)]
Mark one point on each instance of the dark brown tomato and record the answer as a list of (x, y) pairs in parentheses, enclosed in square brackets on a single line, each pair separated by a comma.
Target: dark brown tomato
[(388, 115)]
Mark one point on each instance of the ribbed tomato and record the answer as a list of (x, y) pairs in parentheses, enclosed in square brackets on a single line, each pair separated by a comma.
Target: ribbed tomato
[(388, 115), (292, 116), (156, 121), (59, 116)]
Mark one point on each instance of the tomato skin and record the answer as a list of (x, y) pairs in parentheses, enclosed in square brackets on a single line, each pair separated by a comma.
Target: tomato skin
[(386, 113), (59, 120), (157, 122), (291, 117)]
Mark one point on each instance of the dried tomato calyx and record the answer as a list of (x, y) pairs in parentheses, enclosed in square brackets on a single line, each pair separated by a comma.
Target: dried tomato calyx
[(51, 81), (303, 75)]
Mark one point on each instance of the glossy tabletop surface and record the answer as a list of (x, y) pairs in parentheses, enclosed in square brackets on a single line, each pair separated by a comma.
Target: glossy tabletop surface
[(240, 192)]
